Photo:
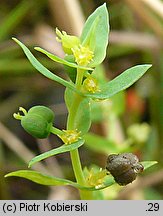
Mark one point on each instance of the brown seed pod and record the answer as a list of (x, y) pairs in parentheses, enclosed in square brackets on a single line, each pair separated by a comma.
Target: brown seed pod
[(124, 167)]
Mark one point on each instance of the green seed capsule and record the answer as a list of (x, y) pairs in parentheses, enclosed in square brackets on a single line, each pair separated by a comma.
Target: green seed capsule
[(37, 121), (43, 111), (36, 125)]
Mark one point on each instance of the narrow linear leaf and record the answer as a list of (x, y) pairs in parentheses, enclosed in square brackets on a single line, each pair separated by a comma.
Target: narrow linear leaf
[(44, 179), (61, 149), (148, 164), (47, 180), (42, 69), (60, 60), (121, 82), (39, 178)]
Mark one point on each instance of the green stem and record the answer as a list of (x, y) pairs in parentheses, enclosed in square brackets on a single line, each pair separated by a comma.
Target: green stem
[(76, 100), (79, 78), (56, 131), (76, 164), (74, 107)]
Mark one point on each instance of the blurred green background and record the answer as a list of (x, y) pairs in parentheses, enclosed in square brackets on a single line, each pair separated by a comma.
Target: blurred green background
[(136, 37)]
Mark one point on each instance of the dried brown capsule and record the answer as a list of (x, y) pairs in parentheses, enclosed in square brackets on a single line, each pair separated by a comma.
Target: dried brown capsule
[(124, 167)]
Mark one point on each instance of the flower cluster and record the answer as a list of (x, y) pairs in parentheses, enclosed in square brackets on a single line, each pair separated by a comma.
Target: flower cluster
[(83, 56), (95, 177), (70, 136)]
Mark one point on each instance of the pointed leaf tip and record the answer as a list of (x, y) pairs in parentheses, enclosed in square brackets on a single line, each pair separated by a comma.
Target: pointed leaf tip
[(121, 82), (43, 70), (148, 164), (16, 40), (60, 60), (44, 179)]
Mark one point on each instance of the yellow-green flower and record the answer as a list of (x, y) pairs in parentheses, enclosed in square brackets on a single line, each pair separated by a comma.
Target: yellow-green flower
[(96, 177), (18, 116), (90, 84), (70, 136), (83, 55), (68, 41)]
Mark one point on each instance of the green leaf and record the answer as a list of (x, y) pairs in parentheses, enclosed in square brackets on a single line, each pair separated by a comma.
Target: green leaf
[(90, 39), (100, 144), (83, 117), (71, 72), (38, 177), (96, 31), (148, 164), (59, 150), (43, 179), (60, 60), (121, 82), (68, 96), (42, 69)]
